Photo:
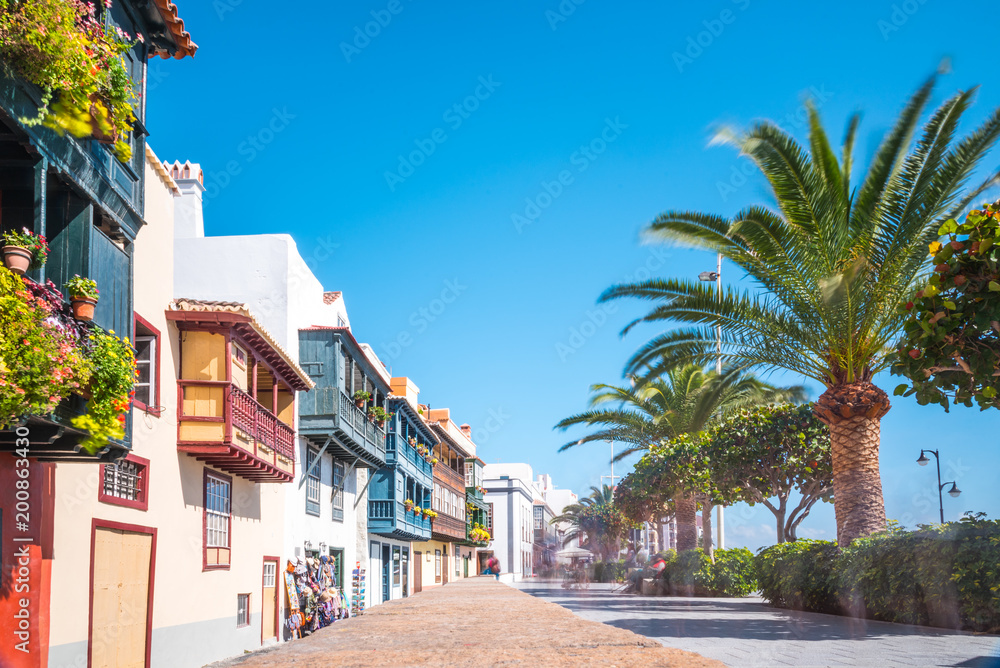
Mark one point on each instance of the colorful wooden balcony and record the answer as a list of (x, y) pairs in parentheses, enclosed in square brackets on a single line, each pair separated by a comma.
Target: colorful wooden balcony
[(390, 518), (236, 393)]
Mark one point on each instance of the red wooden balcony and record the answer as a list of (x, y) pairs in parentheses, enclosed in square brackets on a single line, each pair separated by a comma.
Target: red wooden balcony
[(224, 426)]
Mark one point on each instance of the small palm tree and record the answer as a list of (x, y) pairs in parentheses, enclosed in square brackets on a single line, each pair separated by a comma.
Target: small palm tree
[(588, 534), (832, 263), (677, 400)]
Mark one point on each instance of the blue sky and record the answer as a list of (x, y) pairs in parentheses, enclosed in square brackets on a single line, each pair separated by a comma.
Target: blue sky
[(474, 175)]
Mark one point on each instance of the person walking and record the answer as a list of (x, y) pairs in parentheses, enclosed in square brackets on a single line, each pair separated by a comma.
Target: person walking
[(494, 566)]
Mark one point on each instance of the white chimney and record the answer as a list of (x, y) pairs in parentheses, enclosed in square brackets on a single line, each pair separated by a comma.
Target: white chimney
[(189, 221)]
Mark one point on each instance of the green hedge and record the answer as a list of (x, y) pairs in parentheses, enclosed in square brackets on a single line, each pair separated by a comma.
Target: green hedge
[(799, 575), (609, 571), (692, 573), (943, 575)]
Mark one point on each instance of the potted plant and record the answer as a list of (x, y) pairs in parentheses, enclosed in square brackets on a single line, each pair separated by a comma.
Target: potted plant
[(417, 510), (24, 250), (377, 415), (83, 294), (408, 504), (430, 514), (413, 441), (434, 460), (361, 398)]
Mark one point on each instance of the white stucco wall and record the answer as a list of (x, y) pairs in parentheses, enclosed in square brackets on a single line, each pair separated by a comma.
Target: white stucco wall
[(512, 515)]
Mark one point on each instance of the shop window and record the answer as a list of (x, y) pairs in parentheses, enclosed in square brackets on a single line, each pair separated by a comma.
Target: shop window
[(125, 483), (147, 365), (242, 610), (218, 520)]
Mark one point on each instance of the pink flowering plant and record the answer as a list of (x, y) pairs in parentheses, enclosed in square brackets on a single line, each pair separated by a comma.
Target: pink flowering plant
[(30, 241), (111, 388), (64, 48), (41, 362)]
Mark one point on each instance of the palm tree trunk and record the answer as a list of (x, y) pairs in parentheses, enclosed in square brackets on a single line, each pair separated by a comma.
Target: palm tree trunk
[(687, 530), (853, 412)]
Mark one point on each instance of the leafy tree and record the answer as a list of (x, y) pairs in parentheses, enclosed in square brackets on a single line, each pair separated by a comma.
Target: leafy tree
[(950, 350), (763, 454), (831, 263), (678, 400)]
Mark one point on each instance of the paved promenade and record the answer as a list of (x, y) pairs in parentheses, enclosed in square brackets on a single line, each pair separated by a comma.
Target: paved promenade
[(472, 623), (747, 632)]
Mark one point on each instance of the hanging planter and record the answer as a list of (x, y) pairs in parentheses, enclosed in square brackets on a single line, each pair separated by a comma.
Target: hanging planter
[(83, 295), (24, 250), (17, 259)]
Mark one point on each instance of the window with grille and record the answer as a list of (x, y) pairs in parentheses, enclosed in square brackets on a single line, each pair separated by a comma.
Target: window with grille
[(123, 483), (489, 518), (313, 468), (218, 513), (242, 610), (339, 471), (538, 518)]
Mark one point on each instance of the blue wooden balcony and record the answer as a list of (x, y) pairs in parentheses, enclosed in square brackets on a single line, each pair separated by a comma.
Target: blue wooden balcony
[(391, 519), (328, 415), (402, 455)]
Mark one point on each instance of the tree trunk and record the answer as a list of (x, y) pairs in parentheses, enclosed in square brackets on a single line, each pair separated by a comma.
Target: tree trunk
[(687, 529), (853, 412), (706, 529)]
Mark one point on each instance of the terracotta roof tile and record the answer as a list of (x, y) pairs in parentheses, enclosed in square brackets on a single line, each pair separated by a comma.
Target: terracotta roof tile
[(331, 297), (175, 24)]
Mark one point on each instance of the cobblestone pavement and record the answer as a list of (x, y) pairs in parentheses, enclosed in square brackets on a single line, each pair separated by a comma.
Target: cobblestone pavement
[(476, 623), (747, 632)]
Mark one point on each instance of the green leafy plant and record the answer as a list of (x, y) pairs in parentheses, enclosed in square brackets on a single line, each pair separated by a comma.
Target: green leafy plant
[(799, 575), (950, 350), (82, 287), (64, 48), (30, 241), (111, 388), (41, 361), (361, 395), (377, 414)]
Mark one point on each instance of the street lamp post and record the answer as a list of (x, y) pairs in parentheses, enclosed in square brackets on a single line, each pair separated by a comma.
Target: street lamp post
[(612, 476), (954, 492), (720, 531)]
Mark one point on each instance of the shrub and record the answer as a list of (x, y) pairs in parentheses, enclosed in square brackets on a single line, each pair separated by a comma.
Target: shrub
[(799, 575), (733, 573), (690, 574), (944, 575), (609, 571)]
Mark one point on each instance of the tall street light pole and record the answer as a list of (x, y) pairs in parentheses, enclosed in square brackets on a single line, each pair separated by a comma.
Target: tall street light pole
[(720, 531), (954, 492)]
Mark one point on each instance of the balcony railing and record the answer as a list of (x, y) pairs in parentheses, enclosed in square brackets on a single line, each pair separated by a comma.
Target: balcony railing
[(387, 516), (225, 426), (257, 422), (399, 451)]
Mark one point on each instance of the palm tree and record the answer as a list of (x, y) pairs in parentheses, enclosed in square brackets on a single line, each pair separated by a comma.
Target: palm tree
[(587, 532), (832, 263), (676, 400)]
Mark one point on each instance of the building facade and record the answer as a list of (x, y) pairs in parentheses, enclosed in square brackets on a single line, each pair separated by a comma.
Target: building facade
[(90, 206), (510, 497)]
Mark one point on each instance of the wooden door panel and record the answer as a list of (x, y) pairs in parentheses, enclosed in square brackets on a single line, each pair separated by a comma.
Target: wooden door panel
[(120, 598), (269, 601)]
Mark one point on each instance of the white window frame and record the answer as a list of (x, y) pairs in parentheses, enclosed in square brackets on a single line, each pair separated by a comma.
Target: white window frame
[(217, 521)]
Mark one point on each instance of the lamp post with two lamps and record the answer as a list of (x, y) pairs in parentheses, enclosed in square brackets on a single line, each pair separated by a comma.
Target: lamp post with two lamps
[(954, 492), (720, 531)]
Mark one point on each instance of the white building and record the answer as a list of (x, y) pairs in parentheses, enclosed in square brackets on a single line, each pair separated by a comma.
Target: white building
[(509, 495), (325, 507), (558, 500)]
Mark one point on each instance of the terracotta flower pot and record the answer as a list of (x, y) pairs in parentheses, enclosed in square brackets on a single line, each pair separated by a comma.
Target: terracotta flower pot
[(360, 403), (95, 129), (17, 259), (83, 308)]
